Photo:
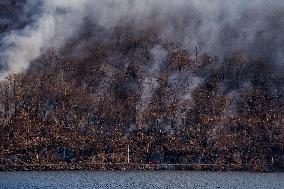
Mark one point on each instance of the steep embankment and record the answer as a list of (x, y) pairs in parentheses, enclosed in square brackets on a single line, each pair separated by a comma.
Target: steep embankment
[(96, 85)]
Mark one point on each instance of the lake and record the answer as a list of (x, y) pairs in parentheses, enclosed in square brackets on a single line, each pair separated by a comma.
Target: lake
[(140, 180)]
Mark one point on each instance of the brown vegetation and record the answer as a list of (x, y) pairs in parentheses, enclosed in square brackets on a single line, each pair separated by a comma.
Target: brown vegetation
[(74, 109)]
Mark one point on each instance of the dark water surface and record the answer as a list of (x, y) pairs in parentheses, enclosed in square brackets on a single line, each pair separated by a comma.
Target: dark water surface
[(141, 180)]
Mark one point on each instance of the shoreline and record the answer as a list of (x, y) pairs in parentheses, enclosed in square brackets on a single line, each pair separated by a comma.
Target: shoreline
[(139, 166)]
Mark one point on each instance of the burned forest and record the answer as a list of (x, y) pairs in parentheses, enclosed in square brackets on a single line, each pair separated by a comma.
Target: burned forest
[(142, 87)]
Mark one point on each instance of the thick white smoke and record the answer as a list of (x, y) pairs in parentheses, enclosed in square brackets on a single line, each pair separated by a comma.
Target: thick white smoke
[(57, 22), (217, 26)]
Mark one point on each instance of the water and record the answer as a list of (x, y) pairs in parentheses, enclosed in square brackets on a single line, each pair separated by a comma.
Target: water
[(141, 180)]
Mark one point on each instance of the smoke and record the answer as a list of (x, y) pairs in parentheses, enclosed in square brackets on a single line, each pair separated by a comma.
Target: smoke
[(218, 27), (150, 83), (56, 22)]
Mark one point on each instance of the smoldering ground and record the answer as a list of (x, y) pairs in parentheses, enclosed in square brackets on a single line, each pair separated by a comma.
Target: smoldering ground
[(199, 79)]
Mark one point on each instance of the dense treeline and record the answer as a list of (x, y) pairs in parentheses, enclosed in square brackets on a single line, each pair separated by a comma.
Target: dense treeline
[(167, 104)]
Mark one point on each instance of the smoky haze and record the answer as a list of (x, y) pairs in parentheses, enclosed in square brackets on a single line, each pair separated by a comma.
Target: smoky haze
[(178, 81), (217, 27)]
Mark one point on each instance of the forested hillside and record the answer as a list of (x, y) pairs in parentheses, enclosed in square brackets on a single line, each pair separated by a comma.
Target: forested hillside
[(107, 90)]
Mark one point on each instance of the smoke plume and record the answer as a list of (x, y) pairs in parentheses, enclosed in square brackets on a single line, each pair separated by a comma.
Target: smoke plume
[(217, 26)]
